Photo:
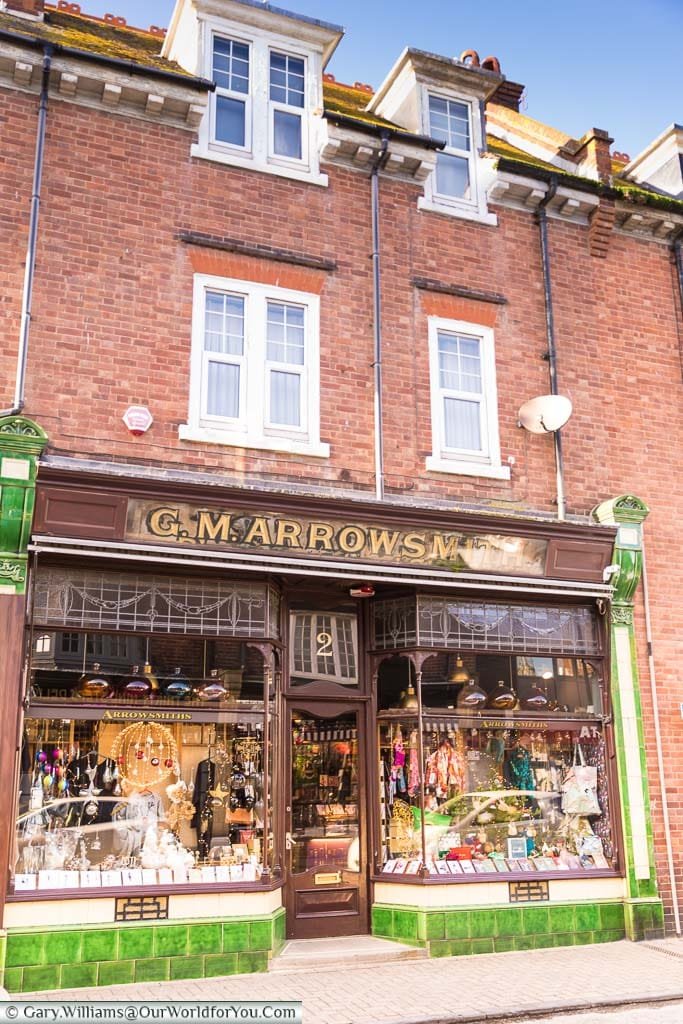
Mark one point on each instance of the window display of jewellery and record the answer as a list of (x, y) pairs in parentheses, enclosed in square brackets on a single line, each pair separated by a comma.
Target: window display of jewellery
[(104, 804), (498, 797)]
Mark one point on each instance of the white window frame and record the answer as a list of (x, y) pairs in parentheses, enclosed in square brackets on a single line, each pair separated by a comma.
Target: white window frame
[(258, 153), (245, 98), (336, 618), (302, 112), (457, 460), (252, 428), (474, 208)]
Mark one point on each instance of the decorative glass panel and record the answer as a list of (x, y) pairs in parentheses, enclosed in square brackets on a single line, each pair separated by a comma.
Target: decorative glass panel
[(324, 647), (485, 626), (152, 604)]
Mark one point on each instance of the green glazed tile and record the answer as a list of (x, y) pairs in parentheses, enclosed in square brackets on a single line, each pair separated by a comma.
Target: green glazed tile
[(612, 915), (563, 939), (434, 926), (461, 947), (99, 945), (63, 948), (587, 917), (439, 949), (187, 967), (504, 945), (118, 972), (170, 940), (458, 924), (482, 924), (260, 935), (535, 920), (609, 935), (561, 919), (40, 978), (382, 921), (205, 938), (482, 945), (157, 969), (523, 941), (14, 979), (135, 943), (250, 963), (218, 964), (405, 924), (508, 922), (279, 922), (23, 950), (235, 937), (78, 975), (543, 941)]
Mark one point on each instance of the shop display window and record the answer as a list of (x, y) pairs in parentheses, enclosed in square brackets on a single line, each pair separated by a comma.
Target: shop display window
[(104, 804), (492, 765)]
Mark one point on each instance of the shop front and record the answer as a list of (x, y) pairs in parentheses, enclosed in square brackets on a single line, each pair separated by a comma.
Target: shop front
[(245, 721)]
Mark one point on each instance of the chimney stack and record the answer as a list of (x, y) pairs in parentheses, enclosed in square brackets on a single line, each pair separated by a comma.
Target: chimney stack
[(26, 8)]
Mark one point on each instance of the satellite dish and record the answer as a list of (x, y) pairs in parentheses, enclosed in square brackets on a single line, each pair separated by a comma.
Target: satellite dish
[(545, 414)]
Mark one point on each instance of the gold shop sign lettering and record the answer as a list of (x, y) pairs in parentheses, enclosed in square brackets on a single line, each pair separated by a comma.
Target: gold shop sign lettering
[(146, 715), (232, 529)]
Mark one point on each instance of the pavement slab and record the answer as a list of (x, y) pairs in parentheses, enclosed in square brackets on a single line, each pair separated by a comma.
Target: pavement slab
[(455, 989)]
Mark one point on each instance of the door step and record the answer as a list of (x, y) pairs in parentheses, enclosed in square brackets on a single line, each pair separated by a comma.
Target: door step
[(348, 952)]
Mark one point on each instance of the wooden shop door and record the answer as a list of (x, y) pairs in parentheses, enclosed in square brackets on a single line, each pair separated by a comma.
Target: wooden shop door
[(325, 819)]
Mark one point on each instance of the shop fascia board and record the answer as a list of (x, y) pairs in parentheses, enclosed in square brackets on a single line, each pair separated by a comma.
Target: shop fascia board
[(316, 568), (360, 150), (105, 87), (206, 490)]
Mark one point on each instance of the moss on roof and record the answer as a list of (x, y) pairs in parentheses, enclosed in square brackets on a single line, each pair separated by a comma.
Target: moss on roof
[(349, 101), (91, 35)]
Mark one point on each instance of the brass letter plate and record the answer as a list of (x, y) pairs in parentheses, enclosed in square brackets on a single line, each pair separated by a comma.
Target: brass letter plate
[(328, 878)]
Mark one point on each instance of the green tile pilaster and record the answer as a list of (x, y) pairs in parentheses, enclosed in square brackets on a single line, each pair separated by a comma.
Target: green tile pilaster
[(628, 514), (14, 979), (21, 442), (3, 952)]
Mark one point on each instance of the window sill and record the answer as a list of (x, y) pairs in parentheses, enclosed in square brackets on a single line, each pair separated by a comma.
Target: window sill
[(286, 445), (461, 212), (248, 163), (435, 464)]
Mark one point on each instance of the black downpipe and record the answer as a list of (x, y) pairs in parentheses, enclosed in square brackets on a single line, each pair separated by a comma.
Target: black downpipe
[(29, 271), (550, 334), (377, 315)]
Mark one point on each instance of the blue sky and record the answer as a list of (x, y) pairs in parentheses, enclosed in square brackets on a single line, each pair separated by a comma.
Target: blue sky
[(613, 64)]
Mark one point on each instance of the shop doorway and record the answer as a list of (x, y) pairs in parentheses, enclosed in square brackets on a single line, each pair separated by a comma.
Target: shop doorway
[(325, 821)]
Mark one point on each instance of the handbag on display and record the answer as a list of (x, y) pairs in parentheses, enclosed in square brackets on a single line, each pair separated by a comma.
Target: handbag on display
[(580, 787)]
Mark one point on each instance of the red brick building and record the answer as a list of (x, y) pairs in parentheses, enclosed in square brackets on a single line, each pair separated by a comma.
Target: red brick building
[(333, 304)]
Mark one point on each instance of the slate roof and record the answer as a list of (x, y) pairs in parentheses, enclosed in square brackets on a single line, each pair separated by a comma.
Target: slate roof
[(142, 48)]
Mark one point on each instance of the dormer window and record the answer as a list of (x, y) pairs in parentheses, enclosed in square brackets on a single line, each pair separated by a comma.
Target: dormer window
[(449, 122), (444, 97), (265, 113)]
